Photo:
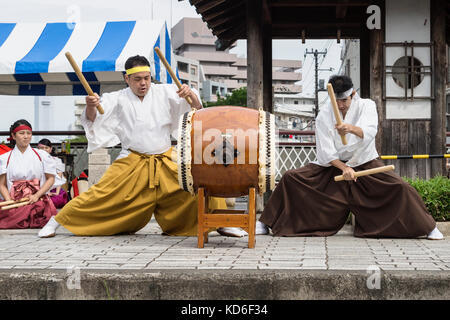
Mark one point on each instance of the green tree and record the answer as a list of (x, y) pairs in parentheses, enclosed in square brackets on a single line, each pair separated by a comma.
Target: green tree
[(237, 98)]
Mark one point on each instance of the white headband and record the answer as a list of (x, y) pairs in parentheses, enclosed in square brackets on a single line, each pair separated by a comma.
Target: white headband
[(345, 94)]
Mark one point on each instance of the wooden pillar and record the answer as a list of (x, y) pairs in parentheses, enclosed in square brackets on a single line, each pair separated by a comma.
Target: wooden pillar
[(437, 18), (267, 69), (254, 54), (376, 39), (364, 65)]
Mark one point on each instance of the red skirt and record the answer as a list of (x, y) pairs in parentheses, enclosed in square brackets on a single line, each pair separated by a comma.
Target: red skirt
[(34, 215)]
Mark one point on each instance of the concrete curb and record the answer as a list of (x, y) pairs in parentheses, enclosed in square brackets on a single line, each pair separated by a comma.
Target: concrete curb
[(444, 227), (222, 285)]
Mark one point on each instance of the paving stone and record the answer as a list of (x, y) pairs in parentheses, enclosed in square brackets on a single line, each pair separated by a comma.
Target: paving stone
[(180, 263), (133, 266), (171, 267), (150, 250), (347, 267), (313, 268), (30, 267)]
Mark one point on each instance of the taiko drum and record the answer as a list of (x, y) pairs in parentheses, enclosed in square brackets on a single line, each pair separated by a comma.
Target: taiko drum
[(226, 150)]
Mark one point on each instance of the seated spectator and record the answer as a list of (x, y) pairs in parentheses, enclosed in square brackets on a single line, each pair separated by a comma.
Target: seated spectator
[(26, 174), (57, 194)]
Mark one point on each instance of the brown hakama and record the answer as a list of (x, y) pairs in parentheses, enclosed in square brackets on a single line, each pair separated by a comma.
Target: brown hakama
[(308, 202)]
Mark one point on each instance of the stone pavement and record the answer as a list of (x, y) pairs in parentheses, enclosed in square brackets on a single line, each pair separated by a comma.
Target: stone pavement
[(151, 266), (148, 249)]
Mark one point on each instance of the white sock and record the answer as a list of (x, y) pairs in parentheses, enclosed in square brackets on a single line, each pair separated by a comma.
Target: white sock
[(435, 234), (49, 230), (261, 228)]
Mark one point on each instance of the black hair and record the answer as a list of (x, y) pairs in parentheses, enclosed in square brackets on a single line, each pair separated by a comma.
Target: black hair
[(136, 61), (20, 122), (340, 83), (45, 142), (48, 143)]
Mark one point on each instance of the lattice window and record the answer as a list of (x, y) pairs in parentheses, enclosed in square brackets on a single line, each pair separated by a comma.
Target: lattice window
[(412, 66)]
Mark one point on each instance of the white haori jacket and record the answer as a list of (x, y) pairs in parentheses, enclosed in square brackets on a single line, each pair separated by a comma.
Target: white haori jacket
[(26, 166), (143, 126), (362, 113)]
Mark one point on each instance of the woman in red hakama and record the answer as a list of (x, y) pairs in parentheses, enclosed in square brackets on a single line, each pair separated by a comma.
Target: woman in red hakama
[(26, 173)]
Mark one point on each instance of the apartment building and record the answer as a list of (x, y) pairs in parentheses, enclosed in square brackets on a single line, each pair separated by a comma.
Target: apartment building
[(189, 72), (294, 112), (351, 60), (223, 71)]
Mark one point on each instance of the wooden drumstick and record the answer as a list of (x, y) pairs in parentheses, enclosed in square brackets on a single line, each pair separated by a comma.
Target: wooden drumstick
[(336, 110), (16, 205), (367, 172), (5, 203), (82, 79), (172, 74)]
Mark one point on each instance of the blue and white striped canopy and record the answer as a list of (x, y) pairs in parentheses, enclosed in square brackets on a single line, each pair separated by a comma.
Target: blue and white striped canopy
[(33, 62)]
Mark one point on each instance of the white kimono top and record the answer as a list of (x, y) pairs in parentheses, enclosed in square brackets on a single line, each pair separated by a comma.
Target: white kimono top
[(26, 166), (60, 167), (143, 126), (362, 113)]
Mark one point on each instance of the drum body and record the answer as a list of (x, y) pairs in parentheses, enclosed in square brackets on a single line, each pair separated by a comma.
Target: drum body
[(226, 150)]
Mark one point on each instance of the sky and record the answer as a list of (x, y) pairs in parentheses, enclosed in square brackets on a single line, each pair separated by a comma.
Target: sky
[(15, 107)]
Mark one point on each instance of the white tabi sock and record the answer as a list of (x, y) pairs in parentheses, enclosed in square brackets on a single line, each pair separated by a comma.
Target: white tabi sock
[(49, 230), (435, 235), (261, 228)]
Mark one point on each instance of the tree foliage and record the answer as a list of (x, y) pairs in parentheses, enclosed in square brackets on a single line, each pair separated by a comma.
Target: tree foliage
[(237, 98), (435, 193)]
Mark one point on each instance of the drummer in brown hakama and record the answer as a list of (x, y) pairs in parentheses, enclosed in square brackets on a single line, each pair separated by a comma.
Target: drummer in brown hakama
[(308, 202)]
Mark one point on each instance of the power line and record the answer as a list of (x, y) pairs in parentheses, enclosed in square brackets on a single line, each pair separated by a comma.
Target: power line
[(310, 68), (316, 77), (328, 44)]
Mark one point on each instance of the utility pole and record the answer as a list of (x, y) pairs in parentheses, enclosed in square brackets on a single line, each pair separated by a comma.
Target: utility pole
[(316, 58), (324, 89)]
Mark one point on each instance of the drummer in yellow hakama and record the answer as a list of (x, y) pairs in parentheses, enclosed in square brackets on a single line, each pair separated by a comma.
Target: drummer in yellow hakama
[(143, 180)]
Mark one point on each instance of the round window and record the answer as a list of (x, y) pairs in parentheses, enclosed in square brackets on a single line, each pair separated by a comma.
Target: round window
[(406, 72)]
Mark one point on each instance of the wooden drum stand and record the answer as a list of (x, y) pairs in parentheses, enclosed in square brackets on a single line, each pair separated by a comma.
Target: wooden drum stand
[(225, 218)]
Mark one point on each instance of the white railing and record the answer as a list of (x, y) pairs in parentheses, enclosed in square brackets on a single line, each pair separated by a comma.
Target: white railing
[(289, 155), (292, 157)]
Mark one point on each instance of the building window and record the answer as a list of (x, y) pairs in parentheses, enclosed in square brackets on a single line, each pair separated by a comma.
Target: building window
[(194, 70), (183, 67), (295, 101)]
